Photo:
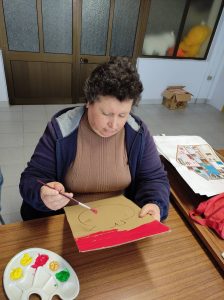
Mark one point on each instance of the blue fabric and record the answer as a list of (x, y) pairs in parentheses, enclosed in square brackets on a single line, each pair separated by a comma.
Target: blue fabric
[(54, 154)]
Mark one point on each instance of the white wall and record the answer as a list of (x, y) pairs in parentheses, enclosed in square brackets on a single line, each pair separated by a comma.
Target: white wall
[(3, 87), (217, 92), (157, 74), (216, 68)]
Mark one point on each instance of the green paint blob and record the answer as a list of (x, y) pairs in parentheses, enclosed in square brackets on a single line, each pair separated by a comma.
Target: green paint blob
[(63, 275)]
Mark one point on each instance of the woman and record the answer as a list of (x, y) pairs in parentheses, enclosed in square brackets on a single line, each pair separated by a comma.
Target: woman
[(97, 151)]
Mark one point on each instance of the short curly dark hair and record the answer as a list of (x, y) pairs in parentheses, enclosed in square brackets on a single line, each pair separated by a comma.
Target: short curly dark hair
[(117, 78)]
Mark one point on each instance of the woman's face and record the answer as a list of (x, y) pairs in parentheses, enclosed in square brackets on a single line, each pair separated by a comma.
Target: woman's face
[(107, 115)]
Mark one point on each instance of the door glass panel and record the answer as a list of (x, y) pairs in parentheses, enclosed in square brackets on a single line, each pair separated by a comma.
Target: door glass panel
[(124, 27), (200, 22), (163, 26), (57, 26), (95, 18), (21, 25)]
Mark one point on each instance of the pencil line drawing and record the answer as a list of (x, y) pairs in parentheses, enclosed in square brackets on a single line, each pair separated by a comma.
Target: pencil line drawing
[(106, 220)]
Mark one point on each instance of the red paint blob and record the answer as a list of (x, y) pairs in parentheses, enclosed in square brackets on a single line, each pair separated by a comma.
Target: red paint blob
[(94, 210), (114, 237), (40, 261)]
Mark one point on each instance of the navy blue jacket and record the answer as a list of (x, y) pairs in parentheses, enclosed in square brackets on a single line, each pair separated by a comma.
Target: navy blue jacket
[(57, 149)]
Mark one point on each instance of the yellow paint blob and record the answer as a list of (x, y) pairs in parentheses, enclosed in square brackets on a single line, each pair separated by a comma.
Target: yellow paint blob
[(26, 259), (53, 265), (16, 274)]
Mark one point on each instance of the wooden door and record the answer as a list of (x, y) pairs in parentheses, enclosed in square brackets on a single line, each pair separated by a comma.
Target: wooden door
[(108, 29), (37, 42), (50, 47)]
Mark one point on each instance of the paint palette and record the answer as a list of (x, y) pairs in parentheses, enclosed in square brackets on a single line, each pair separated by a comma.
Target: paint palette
[(42, 272)]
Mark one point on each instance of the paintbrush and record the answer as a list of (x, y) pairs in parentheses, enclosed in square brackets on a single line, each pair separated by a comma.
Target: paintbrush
[(70, 198)]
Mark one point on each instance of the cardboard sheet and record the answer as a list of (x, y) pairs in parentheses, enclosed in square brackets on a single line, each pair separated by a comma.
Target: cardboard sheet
[(117, 222)]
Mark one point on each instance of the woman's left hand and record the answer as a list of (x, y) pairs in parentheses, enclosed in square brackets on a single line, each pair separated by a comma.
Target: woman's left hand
[(150, 209)]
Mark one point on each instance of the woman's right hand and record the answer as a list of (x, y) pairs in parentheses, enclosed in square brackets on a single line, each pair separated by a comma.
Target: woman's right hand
[(51, 198)]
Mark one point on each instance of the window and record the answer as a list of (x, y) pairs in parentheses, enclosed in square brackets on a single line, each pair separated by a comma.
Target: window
[(181, 28)]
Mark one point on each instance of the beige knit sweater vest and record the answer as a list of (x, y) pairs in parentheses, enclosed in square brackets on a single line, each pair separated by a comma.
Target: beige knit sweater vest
[(100, 169)]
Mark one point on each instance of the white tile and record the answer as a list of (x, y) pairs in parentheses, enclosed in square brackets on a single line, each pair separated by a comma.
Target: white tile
[(50, 115), (31, 139), (11, 155), (10, 199), (13, 116), (4, 106), (36, 115), (34, 126), (53, 109), (12, 217), (27, 153), (11, 174), (57, 107), (34, 108), (11, 127), (11, 140)]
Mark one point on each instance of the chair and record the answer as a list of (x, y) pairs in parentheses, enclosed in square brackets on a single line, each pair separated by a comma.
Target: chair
[(1, 182)]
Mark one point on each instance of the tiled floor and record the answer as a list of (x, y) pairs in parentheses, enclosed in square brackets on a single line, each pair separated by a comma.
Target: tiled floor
[(21, 127)]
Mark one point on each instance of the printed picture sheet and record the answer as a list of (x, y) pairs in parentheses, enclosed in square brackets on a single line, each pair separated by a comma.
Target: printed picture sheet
[(202, 160), (196, 162)]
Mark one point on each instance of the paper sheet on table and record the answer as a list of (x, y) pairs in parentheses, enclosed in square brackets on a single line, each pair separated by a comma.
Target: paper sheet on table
[(168, 145), (117, 222)]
